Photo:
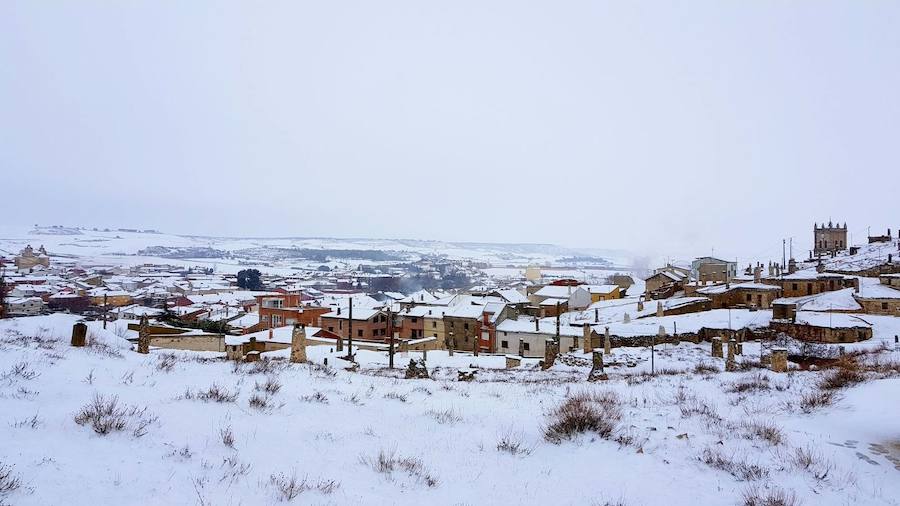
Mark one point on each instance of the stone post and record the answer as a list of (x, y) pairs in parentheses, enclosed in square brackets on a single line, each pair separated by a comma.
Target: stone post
[(521, 347), (738, 348), (551, 350), (717, 347), (779, 360), (607, 342), (659, 310), (626, 318), (597, 373), (513, 361), (640, 304), (587, 339), (298, 344), (144, 336), (730, 364), (79, 334)]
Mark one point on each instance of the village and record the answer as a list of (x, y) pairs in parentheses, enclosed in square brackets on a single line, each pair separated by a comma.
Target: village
[(759, 383)]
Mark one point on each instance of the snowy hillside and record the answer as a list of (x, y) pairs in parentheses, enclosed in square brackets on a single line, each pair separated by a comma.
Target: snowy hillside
[(105, 425)]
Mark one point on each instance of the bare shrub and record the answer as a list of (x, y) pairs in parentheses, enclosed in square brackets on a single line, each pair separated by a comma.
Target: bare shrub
[(227, 436), (315, 397), (739, 469), (21, 370), (774, 497), (270, 387), (846, 374), (214, 393), (233, 469), (447, 416), (757, 383), (269, 366), (705, 368), (813, 400), (395, 395), (388, 462), (513, 444), (766, 431), (33, 423), (166, 362), (9, 482), (597, 413), (289, 488), (106, 415)]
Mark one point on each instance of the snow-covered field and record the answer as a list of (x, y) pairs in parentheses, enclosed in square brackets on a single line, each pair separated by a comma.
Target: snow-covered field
[(684, 437)]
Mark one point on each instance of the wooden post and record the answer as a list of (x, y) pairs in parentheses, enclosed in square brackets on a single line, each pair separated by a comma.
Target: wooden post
[(144, 336), (79, 334), (350, 332), (390, 323), (105, 311)]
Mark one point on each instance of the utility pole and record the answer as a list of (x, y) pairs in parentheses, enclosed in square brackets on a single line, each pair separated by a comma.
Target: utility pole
[(350, 332), (557, 322), (783, 259), (2, 291), (105, 311), (390, 324)]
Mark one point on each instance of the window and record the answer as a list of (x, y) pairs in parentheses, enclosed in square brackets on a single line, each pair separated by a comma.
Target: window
[(749, 297), (466, 326), (359, 333), (504, 344), (330, 329), (526, 346), (793, 286), (434, 325), (884, 305), (414, 320)]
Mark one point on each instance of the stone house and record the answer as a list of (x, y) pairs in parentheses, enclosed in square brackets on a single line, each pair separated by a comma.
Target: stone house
[(433, 324), (713, 270), (825, 327), (665, 280), (24, 306), (879, 299), (810, 282), (577, 297), (829, 239), (741, 295), (28, 259), (367, 323), (603, 292), (533, 333)]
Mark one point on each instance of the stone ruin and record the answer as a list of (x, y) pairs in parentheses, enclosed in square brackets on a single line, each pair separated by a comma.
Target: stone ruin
[(597, 373), (416, 370)]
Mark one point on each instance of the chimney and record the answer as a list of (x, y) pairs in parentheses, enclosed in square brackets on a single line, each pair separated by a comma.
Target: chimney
[(757, 273), (339, 311), (537, 324), (596, 315)]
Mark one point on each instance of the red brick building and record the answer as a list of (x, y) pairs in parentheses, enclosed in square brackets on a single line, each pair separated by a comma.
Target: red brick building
[(279, 309)]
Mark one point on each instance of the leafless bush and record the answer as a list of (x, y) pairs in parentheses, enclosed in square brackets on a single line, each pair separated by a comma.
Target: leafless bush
[(128, 378), (807, 459), (395, 395), (696, 407), (705, 368), (34, 422), (352, 399), (739, 469), (846, 374), (166, 362), (270, 387), (227, 436), (774, 497), (99, 347), (447, 416), (106, 415), (233, 469), (289, 488), (9, 482), (21, 370), (598, 413), (764, 430), (513, 444), (269, 366), (315, 397), (757, 383), (321, 370), (387, 463), (815, 399), (214, 393)]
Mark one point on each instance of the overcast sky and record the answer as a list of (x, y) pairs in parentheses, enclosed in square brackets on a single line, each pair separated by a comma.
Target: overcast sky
[(665, 128)]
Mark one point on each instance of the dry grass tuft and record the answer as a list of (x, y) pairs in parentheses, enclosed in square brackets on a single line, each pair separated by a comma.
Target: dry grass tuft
[(106, 415), (774, 497), (9, 482), (764, 430), (289, 488), (214, 393), (585, 412), (757, 383), (811, 401), (388, 462), (739, 469), (447, 416)]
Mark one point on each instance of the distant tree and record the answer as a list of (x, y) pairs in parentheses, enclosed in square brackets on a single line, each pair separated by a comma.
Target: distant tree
[(249, 279)]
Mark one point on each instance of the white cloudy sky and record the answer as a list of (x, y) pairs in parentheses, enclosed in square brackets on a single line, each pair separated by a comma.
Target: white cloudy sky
[(660, 127)]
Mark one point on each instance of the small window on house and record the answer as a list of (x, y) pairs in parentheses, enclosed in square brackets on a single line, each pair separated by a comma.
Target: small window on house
[(330, 329), (504, 344), (434, 325), (414, 320), (793, 286), (359, 333), (466, 326), (884, 305), (749, 297), (527, 346)]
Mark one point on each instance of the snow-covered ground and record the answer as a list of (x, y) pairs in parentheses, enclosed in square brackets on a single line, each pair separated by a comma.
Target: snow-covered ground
[(687, 436)]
